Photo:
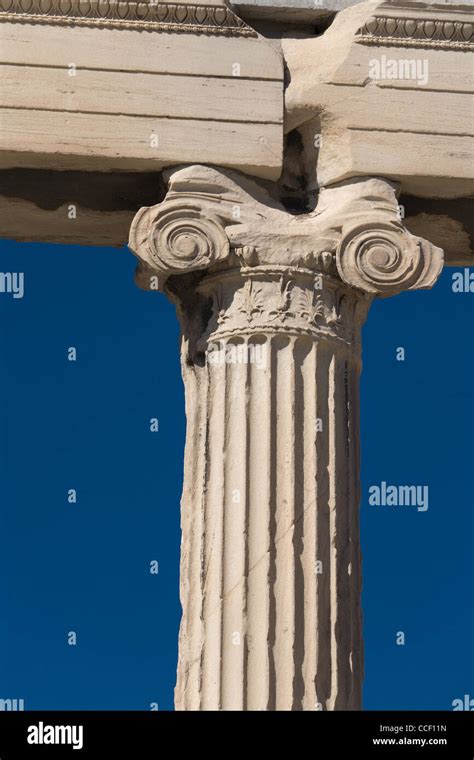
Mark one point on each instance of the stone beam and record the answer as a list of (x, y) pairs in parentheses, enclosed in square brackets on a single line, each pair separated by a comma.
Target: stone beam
[(89, 90), (387, 90), (271, 307), (136, 86)]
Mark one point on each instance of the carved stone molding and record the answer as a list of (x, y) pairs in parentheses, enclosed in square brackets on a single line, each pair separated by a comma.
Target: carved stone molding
[(213, 219), (127, 14), (243, 303), (384, 260), (177, 238), (444, 34), (268, 300)]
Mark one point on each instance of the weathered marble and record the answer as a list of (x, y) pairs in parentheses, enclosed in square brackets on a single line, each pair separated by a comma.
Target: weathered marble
[(271, 307), (278, 180)]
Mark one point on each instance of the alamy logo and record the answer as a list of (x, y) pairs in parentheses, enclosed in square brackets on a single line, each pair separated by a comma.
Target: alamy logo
[(463, 282), (12, 705), (399, 496), (237, 353), (463, 704), (42, 734), (414, 69), (13, 283)]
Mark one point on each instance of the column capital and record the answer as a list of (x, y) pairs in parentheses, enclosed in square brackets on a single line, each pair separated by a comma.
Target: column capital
[(213, 219)]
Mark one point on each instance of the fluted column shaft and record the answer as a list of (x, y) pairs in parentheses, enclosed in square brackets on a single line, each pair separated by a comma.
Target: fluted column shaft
[(271, 561), (271, 305)]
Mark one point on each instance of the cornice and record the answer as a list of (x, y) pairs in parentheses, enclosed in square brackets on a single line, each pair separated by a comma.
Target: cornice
[(443, 33), (127, 14)]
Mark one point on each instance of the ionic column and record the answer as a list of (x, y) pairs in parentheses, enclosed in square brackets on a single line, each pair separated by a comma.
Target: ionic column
[(271, 308)]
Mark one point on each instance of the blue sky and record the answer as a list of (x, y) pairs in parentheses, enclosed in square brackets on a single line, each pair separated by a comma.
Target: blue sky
[(84, 425)]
